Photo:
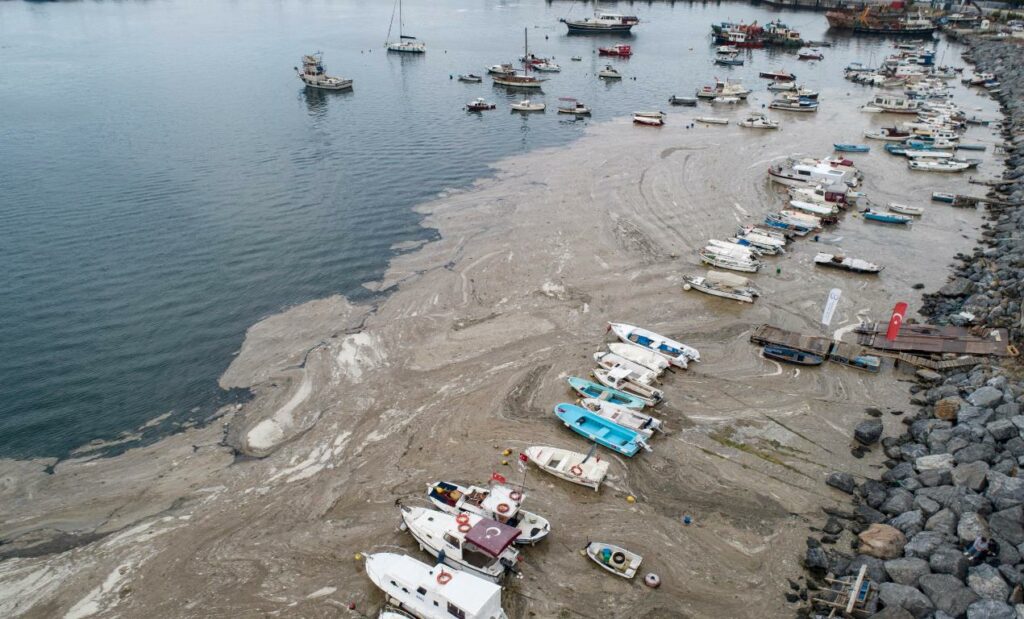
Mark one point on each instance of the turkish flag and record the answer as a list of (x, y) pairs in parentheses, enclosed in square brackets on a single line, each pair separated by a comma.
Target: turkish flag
[(522, 457), (898, 313), (498, 477)]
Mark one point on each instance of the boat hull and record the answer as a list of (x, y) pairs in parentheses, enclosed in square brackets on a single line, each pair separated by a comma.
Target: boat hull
[(588, 28), (790, 355), (598, 429)]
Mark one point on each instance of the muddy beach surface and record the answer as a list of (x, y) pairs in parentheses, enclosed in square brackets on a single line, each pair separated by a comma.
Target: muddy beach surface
[(358, 406)]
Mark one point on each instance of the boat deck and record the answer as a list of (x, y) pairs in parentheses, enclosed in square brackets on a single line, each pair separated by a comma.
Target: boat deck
[(767, 334)]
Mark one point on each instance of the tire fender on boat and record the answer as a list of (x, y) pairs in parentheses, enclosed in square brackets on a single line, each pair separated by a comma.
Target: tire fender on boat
[(618, 558), (652, 580), (464, 527), (503, 508), (444, 578), (576, 470), (515, 495), (462, 518), (686, 286)]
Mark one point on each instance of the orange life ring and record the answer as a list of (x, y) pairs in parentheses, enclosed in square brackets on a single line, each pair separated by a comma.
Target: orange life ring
[(503, 508), (462, 518), (515, 495), (576, 470), (464, 527), (444, 578)]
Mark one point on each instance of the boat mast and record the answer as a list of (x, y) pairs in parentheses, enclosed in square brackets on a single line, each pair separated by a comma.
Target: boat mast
[(400, 28), (526, 52)]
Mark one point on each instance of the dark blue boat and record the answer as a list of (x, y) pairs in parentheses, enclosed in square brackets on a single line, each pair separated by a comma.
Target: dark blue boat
[(791, 355)]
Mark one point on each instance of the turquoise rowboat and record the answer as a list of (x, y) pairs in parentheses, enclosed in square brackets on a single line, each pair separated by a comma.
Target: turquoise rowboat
[(588, 389), (598, 429), (886, 218), (851, 148)]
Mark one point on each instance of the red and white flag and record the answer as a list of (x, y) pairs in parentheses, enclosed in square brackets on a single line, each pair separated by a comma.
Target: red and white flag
[(498, 477), (898, 313)]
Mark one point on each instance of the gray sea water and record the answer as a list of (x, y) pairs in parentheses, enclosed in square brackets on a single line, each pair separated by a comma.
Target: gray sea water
[(166, 181)]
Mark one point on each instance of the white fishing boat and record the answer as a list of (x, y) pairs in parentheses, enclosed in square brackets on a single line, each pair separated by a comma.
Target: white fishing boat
[(888, 134), (757, 120), (654, 119), (782, 86), (711, 120), (601, 23), (480, 104), (614, 559), (801, 218), (432, 591), (499, 502), (838, 261), (794, 105), (892, 105), (583, 469), (314, 75), (762, 239), (725, 261), (611, 361), (624, 380), (546, 66), (813, 207), (478, 546), (725, 285), (906, 209), (609, 73), (927, 155), (570, 105), (937, 166), (405, 44), (647, 358), (738, 250), (677, 353), (641, 423), (527, 106), (471, 78), (501, 69), (800, 174)]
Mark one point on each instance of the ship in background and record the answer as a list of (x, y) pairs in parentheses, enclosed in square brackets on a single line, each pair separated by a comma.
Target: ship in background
[(890, 19)]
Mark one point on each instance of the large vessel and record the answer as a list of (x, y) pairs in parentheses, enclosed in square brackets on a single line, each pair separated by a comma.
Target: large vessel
[(433, 592), (314, 75), (880, 19), (601, 22)]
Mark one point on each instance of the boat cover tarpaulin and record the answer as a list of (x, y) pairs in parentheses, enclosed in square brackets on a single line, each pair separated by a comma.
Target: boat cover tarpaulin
[(932, 339), (727, 279), (491, 536)]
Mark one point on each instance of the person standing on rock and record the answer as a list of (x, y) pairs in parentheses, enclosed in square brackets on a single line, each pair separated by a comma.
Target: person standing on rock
[(977, 548)]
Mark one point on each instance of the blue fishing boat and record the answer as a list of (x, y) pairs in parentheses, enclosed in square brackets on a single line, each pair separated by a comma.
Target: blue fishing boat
[(588, 389), (775, 221), (896, 149), (868, 363), (598, 429), (791, 355), (886, 218), (851, 148), (939, 196)]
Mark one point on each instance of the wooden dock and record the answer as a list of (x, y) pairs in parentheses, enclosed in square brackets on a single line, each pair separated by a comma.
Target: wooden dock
[(767, 334), (935, 340)]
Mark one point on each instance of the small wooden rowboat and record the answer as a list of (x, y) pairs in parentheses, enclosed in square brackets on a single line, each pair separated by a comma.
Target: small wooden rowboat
[(711, 120), (583, 469), (596, 428), (614, 559), (791, 355), (851, 148), (906, 209), (886, 218), (588, 389)]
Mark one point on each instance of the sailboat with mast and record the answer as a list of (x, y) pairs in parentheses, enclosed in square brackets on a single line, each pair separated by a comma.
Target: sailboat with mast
[(524, 79), (405, 44)]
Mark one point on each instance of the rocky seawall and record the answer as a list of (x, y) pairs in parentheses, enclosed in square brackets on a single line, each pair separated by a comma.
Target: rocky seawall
[(955, 474)]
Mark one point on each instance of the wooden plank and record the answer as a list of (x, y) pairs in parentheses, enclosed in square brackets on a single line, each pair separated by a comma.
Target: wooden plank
[(855, 592)]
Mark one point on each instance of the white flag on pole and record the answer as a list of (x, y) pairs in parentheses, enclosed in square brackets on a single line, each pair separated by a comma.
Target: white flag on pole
[(830, 306)]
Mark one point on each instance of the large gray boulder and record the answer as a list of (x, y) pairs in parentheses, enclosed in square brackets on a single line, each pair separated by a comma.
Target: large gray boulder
[(815, 559), (899, 501), (923, 544), (1004, 492), (970, 475), (892, 612), (949, 560), (876, 568), (928, 507), (841, 481), (971, 525), (868, 432), (1008, 524), (910, 523), (986, 581), (944, 521), (985, 397), (991, 609), (905, 597), (947, 593), (907, 570), (975, 452), (1002, 430), (940, 462)]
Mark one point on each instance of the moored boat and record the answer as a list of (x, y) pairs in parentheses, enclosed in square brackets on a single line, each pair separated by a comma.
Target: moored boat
[(726, 261), (757, 120), (712, 120), (725, 285), (654, 119), (791, 355), (625, 380), (688, 101), (798, 105), (610, 361), (851, 148), (432, 591), (886, 218), (677, 353), (778, 75), (609, 73), (938, 166), (638, 354), (527, 106), (583, 469), (599, 430), (839, 261), (405, 44), (905, 209), (939, 196), (601, 22), (810, 54), (479, 104), (314, 75), (888, 134), (641, 423), (572, 106), (498, 502), (729, 61), (616, 50), (471, 78), (614, 559), (589, 389), (484, 547), (501, 69)]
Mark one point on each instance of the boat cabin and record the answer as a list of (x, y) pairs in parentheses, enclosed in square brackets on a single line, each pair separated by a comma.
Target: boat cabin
[(434, 591)]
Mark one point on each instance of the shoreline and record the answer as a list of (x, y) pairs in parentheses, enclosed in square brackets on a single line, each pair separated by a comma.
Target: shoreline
[(482, 327)]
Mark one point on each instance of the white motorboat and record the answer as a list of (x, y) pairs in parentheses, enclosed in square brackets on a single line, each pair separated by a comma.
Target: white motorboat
[(906, 209), (480, 104), (614, 559), (546, 66), (641, 423), (734, 249), (807, 53), (314, 75), (814, 208), (892, 105), (527, 106), (757, 120), (794, 105), (801, 218), (472, 544), (609, 73), (431, 591), (801, 173), (405, 44), (572, 106), (725, 285), (762, 239), (725, 261), (937, 166), (677, 353), (583, 469), (726, 100), (838, 261), (654, 119), (647, 358), (601, 22), (888, 134), (611, 361), (711, 120), (782, 86), (499, 502), (501, 69), (470, 78), (624, 380)]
